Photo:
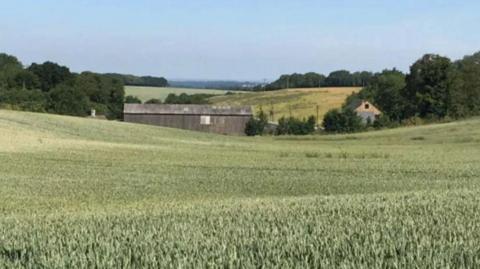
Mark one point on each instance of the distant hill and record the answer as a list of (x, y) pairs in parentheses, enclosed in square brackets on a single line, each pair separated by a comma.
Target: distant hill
[(131, 80)]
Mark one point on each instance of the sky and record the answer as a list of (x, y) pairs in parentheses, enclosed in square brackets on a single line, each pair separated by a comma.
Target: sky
[(236, 39)]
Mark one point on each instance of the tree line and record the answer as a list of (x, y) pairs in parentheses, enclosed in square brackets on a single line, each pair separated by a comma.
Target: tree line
[(50, 87), (147, 81), (172, 98), (436, 88), (340, 78)]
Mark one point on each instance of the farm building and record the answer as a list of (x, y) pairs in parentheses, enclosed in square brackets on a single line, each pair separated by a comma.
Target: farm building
[(365, 110), (204, 118)]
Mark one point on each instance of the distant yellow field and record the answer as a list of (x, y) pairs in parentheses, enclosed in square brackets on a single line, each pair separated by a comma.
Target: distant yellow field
[(295, 102)]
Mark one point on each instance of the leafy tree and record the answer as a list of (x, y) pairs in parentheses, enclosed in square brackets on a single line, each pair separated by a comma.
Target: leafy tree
[(50, 74), (385, 92), (339, 78), (66, 100), (116, 99), (132, 100), (427, 90), (9, 61), (10, 67), (465, 87), (105, 94)]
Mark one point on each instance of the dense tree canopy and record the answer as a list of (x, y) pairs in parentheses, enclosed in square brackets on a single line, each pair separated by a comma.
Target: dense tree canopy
[(385, 91), (434, 89), (10, 69), (308, 80), (427, 89), (50, 87), (465, 99), (50, 74), (67, 100), (341, 78), (132, 80)]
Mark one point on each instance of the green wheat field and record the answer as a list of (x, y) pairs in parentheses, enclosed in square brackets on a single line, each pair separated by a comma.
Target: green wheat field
[(83, 193)]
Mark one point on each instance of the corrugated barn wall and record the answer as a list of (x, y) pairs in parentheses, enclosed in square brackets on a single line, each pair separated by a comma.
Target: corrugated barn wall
[(221, 120)]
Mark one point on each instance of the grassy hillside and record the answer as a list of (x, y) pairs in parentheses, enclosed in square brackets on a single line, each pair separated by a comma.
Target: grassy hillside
[(296, 102), (81, 193), (147, 93)]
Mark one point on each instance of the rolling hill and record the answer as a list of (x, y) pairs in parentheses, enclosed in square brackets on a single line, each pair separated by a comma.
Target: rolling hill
[(86, 193), (295, 102)]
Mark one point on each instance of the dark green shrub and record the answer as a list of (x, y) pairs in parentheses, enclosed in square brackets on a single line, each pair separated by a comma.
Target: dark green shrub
[(294, 126), (346, 121), (132, 100), (153, 101), (256, 126)]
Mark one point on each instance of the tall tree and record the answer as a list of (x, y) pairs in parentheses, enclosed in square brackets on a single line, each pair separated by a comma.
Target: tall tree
[(339, 78), (10, 67), (385, 91), (427, 91), (50, 74), (65, 100), (105, 93), (465, 87)]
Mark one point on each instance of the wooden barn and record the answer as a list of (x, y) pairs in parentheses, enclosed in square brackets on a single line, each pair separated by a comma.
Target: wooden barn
[(365, 110), (204, 118)]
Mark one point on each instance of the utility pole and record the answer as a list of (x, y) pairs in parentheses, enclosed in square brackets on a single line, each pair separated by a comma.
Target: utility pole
[(272, 112), (317, 113)]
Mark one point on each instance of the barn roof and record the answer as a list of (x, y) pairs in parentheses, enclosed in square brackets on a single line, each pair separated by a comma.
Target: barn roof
[(186, 109)]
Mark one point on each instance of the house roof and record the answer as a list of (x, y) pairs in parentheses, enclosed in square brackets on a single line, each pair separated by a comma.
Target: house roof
[(186, 109), (355, 104)]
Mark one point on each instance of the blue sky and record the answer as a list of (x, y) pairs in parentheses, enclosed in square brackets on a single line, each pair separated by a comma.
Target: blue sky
[(230, 39)]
